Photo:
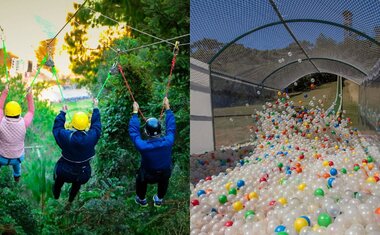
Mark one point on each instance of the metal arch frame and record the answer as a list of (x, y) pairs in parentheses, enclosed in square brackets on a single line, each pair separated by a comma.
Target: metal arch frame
[(292, 21), (313, 58)]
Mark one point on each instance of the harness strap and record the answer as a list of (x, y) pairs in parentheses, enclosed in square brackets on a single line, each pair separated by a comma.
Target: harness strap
[(78, 162)]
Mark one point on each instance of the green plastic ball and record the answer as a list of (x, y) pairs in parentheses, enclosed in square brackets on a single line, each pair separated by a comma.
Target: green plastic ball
[(232, 191), (343, 170), (222, 199), (319, 192), (324, 219), (280, 165), (356, 168), (248, 213), (369, 159)]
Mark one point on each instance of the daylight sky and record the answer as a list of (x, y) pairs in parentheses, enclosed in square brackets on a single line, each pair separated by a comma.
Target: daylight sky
[(27, 22)]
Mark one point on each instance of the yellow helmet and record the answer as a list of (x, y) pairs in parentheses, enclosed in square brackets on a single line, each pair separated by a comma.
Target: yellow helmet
[(12, 109), (80, 121)]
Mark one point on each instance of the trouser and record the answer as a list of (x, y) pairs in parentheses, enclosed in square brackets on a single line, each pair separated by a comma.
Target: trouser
[(15, 162), (66, 172), (145, 177)]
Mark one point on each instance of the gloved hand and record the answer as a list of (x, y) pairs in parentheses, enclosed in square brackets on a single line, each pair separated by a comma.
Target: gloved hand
[(64, 108), (135, 107), (95, 102), (166, 103)]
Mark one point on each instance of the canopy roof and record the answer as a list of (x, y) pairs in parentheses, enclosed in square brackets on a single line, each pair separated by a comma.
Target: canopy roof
[(274, 43)]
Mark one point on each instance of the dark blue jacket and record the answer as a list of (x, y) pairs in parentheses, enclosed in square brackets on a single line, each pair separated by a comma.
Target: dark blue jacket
[(156, 153), (77, 146)]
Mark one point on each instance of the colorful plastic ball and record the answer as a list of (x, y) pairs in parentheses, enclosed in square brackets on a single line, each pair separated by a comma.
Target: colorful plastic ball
[(356, 168), (319, 192), (228, 186), (280, 165), (333, 171), (343, 170), (299, 223), (208, 178), (249, 213), (232, 191), (377, 211), (237, 206), (229, 223), (282, 233), (240, 183), (282, 200), (279, 228), (253, 195), (325, 163), (330, 182), (307, 219), (324, 219), (201, 192), (194, 202), (301, 187), (369, 159), (222, 199), (371, 179)]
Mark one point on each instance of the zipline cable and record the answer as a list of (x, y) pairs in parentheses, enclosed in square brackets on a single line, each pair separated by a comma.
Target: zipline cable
[(67, 22), (135, 29)]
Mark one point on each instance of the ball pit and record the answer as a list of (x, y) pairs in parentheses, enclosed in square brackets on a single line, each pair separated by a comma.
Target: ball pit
[(306, 172)]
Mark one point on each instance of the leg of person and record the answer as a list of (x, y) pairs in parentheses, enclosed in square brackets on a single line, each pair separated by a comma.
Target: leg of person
[(141, 187), (75, 187), (58, 181), (16, 164), (162, 188)]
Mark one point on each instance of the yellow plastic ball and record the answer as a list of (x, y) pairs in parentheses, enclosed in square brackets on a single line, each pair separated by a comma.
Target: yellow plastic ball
[(228, 186), (286, 141), (308, 136), (238, 206), (299, 223), (279, 93), (316, 138), (301, 187), (283, 201), (316, 227), (325, 163), (371, 180), (300, 102), (253, 195), (336, 147)]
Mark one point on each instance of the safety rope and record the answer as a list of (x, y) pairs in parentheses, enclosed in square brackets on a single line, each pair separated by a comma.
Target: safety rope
[(175, 53), (54, 71), (129, 89), (104, 84)]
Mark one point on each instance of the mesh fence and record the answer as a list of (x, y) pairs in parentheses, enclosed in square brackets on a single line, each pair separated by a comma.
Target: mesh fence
[(248, 40)]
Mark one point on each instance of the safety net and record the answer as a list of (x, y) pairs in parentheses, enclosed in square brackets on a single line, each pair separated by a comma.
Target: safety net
[(272, 43)]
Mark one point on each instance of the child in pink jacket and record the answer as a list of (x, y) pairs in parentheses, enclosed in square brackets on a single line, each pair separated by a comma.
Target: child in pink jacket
[(12, 132)]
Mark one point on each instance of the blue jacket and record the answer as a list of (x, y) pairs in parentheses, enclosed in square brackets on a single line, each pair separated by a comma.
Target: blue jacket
[(77, 146), (156, 153)]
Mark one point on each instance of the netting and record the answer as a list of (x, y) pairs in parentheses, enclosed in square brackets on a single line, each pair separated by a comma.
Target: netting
[(250, 41)]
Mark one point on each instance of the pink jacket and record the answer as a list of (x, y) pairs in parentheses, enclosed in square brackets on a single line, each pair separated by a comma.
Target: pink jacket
[(12, 131)]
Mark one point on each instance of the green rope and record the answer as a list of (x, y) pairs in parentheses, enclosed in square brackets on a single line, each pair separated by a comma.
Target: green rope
[(59, 86), (5, 61), (104, 84), (39, 69)]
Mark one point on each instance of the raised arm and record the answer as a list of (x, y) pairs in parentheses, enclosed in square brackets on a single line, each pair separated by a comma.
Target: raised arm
[(59, 125), (3, 97), (169, 122), (134, 128), (29, 115), (96, 124)]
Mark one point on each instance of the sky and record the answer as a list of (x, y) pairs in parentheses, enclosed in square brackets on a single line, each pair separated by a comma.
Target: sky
[(27, 22)]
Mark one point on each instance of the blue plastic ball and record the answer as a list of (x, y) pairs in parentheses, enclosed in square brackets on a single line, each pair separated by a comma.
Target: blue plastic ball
[(200, 192), (242, 162), (240, 183), (333, 171), (279, 228), (330, 182), (305, 95)]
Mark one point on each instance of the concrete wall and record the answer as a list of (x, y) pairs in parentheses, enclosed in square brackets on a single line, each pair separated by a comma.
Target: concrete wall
[(201, 121)]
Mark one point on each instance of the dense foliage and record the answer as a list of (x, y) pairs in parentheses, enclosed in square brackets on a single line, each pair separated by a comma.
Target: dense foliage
[(106, 204)]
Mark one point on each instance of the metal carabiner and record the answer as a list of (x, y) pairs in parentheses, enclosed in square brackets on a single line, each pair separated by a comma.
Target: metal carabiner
[(176, 48)]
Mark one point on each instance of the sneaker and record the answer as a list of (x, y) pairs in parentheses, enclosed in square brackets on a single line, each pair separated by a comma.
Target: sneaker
[(142, 203), (157, 202), (17, 178)]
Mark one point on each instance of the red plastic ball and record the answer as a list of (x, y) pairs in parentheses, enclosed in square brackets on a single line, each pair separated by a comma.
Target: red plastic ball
[(331, 163), (229, 223), (195, 202), (208, 178)]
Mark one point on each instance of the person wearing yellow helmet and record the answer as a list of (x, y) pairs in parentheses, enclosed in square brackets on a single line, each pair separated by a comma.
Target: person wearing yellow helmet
[(78, 148), (12, 131)]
